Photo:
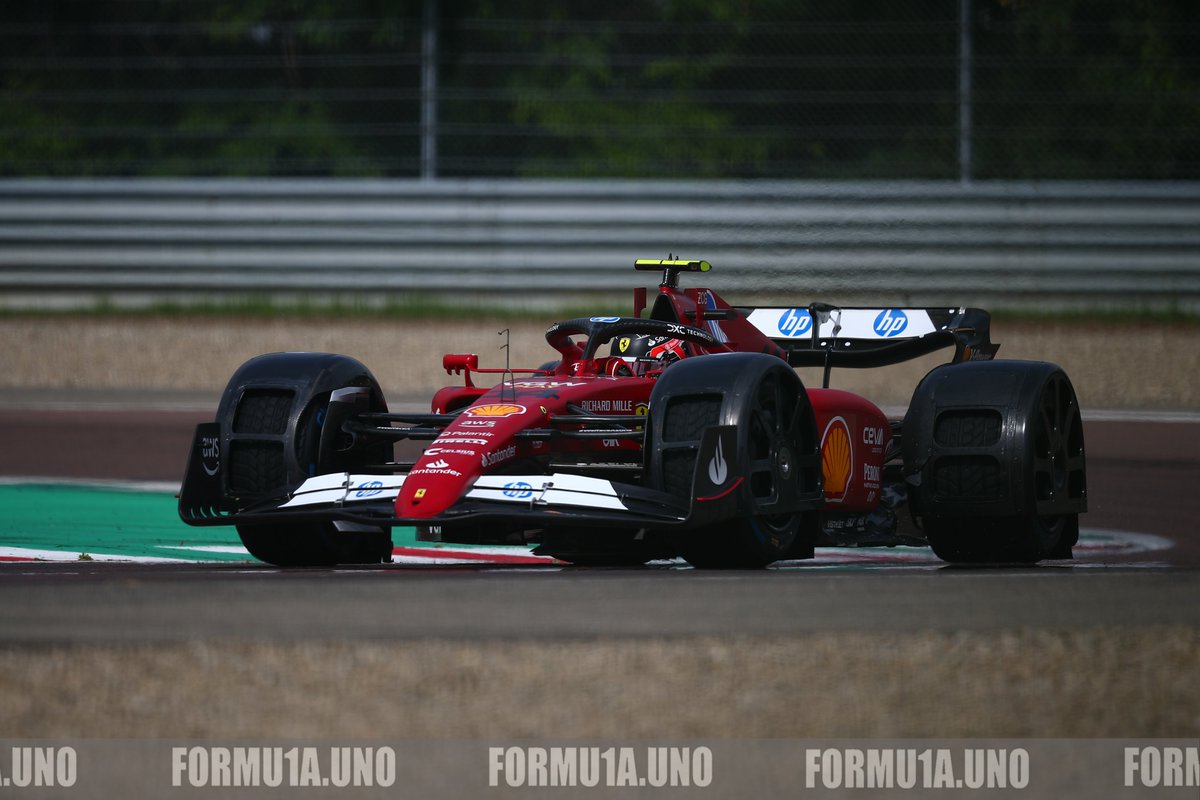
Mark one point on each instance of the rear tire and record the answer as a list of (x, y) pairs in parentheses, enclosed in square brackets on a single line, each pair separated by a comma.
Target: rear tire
[(1002, 476), (999, 540)]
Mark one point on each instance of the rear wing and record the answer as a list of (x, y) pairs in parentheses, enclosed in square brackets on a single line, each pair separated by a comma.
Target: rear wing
[(826, 335)]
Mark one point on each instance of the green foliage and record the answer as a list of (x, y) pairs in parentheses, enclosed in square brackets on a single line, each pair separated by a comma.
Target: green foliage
[(1104, 90), (580, 94), (673, 88)]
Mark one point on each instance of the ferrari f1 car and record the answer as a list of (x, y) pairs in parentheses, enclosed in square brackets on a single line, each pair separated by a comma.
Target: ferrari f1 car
[(684, 432)]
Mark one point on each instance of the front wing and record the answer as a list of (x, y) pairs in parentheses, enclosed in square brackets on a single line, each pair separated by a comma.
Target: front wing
[(530, 500)]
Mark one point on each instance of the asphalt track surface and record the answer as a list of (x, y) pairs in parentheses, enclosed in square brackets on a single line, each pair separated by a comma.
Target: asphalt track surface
[(1144, 476)]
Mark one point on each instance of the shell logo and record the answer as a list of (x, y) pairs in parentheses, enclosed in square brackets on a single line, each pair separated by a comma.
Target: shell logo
[(495, 410), (837, 459)]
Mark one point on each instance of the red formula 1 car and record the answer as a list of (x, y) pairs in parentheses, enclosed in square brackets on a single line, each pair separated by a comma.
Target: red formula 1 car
[(684, 432)]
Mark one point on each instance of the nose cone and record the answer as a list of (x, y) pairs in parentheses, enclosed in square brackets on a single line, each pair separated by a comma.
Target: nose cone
[(433, 485), (481, 438)]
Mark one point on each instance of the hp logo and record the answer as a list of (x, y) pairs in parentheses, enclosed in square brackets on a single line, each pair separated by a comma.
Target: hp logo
[(369, 489), (890, 322), (518, 489), (795, 322)]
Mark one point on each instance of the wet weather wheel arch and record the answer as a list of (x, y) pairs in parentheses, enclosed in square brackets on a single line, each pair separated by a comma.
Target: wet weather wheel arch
[(997, 452), (271, 417), (777, 449)]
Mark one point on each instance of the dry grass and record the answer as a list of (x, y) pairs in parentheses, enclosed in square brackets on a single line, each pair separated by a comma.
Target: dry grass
[(1090, 683)]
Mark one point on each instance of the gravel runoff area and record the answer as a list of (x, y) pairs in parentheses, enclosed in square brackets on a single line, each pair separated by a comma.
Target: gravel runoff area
[(1104, 682), (1154, 367)]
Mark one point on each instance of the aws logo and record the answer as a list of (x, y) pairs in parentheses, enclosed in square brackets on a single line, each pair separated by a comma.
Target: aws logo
[(837, 459), (210, 455), (495, 410)]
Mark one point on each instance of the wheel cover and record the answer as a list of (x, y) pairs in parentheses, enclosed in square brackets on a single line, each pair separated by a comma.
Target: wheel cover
[(775, 434), (1058, 457)]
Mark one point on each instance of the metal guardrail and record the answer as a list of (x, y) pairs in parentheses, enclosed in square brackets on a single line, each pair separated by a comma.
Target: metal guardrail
[(929, 242)]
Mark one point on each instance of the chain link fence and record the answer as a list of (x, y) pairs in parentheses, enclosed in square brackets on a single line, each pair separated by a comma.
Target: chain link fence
[(968, 90)]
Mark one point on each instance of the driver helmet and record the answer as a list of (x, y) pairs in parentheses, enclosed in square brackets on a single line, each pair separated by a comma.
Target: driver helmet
[(644, 353)]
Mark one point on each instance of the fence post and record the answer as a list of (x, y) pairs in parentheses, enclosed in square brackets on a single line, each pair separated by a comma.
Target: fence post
[(429, 42), (964, 91)]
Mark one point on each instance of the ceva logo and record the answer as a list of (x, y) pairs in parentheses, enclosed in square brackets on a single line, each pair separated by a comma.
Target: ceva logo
[(518, 489), (795, 322), (890, 322)]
